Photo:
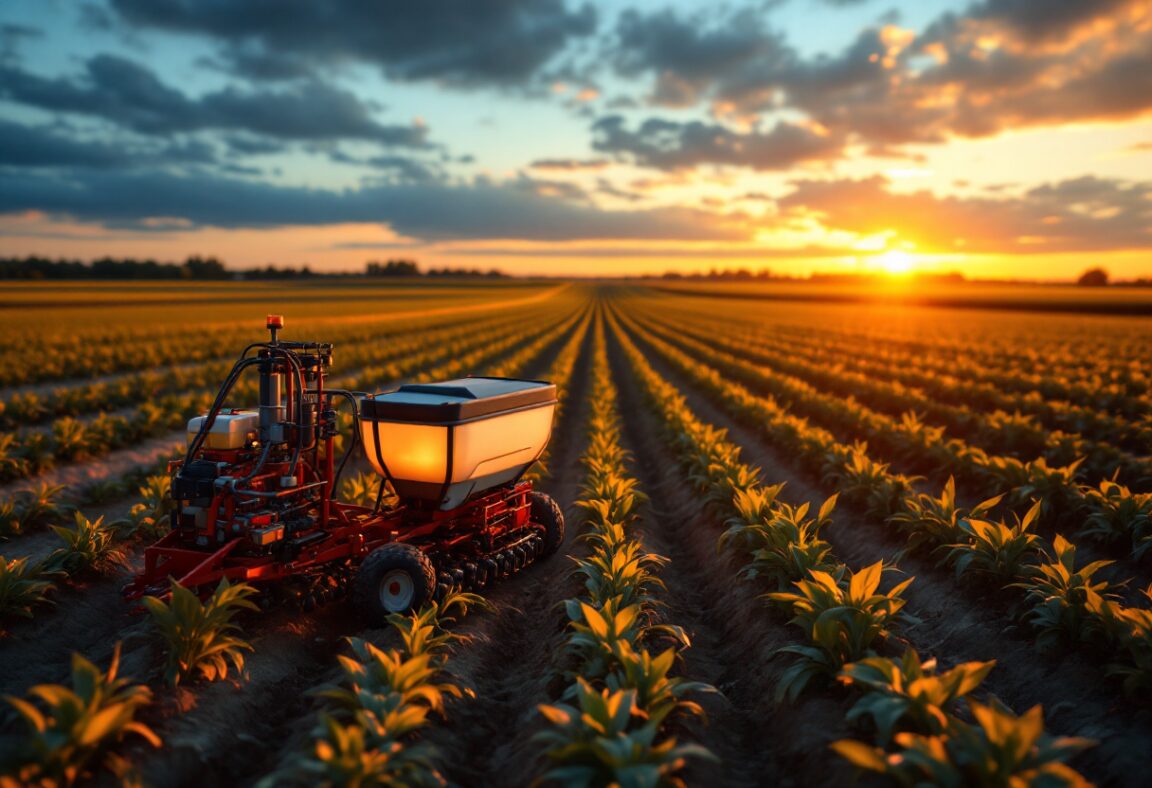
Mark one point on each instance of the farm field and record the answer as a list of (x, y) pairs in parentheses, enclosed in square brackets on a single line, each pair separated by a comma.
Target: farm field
[(809, 541)]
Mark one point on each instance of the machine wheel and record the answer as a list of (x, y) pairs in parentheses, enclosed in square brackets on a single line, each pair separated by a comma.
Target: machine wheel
[(546, 512), (395, 578)]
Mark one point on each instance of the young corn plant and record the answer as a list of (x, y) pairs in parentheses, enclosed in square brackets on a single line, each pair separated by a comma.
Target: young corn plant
[(70, 732), (784, 543), (596, 632), (34, 508), (843, 620), (348, 755), (929, 521), (23, 585), (1116, 514), (908, 694), (868, 484), (150, 517), (996, 549), (360, 489), (621, 570), (1000, 749), (606, 739), (1130, 630), (1063, 597), (201, 638), (384, 699), (89, 546)]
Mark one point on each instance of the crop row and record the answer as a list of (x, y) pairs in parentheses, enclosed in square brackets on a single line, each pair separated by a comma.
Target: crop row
[(32, 451), (611, 725), (977, 546), (87, 353), (354, 348), (845, 618), (1104, 374), (951, 396), (912, 442)]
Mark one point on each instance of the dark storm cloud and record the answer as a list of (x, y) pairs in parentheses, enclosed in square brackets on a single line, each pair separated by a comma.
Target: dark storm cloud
[(569, 165), (669, 145), (430, 212), (26, 146), (1081, 214), (132, 96), (693, 56), (1000, 64), (1034, 21), (44, 146), (461, 42)]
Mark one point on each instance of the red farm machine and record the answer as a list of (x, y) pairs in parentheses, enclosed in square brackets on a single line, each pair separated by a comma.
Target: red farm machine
[(255, 496)]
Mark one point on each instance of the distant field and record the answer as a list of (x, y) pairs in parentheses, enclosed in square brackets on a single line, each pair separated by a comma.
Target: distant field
[(1053, 298), (49, 306), (823, 444)]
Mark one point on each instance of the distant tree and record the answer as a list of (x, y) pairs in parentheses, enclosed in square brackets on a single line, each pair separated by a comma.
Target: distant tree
[(197, 267), (1093, 277)]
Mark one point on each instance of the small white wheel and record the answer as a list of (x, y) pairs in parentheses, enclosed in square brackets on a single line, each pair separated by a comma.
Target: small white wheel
[(394, 578), (396, 591)]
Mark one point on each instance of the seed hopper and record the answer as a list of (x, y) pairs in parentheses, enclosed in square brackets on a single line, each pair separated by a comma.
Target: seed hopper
[(255, 495)]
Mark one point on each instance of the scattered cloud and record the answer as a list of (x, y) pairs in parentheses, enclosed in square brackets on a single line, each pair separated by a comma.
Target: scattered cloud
[(426, 211), (671, 145), (465, 43), (1082, 214), (132, 96), (569, 165)]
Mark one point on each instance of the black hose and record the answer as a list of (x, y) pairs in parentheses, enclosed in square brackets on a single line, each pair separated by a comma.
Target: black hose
[(214, 411)]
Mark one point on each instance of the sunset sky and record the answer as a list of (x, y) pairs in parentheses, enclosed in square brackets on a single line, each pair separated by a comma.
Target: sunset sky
[(1000, 138)]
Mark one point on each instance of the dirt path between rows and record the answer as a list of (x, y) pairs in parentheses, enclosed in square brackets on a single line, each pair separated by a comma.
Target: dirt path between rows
[(959, 625), (734, 637), (510, 663)]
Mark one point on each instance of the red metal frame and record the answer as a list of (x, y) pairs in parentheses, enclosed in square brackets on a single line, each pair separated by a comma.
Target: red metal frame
[(354, 532), (198, 558)]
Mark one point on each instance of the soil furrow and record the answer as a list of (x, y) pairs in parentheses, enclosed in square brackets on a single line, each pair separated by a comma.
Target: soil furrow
[(734, 637), (509, 664)]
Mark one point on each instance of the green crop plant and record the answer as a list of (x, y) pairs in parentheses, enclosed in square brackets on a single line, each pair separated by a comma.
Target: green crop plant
[(606, 739), (360, 489), (89, 545), (784, 543), (23, 585), (595, 632), (1000, 749), (383, 701), (997, 549), (1063, 597), (201, 638), (349, 755), (929, 521), (657, 693), (40, 506), (867, 483), (908, 694), (70, 731), (621, 571), (1117, 514), (69, 439), (1130, 632), (151, 516), (11, 466), (843, 620)]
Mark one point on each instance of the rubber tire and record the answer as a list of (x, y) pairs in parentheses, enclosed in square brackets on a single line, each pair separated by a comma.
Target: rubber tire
[(546, 512), (411, 559)]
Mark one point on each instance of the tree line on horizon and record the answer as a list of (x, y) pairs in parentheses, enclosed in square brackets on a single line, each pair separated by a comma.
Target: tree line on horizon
[(198, 268)]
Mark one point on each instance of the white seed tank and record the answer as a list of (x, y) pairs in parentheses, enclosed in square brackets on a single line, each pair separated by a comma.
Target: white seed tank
[(444, 442)]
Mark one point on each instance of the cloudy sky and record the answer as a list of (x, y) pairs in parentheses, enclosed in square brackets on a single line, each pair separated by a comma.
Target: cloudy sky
[(1005, 138)]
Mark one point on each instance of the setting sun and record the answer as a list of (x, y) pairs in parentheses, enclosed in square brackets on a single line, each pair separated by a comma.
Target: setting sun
[(896, 262)]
